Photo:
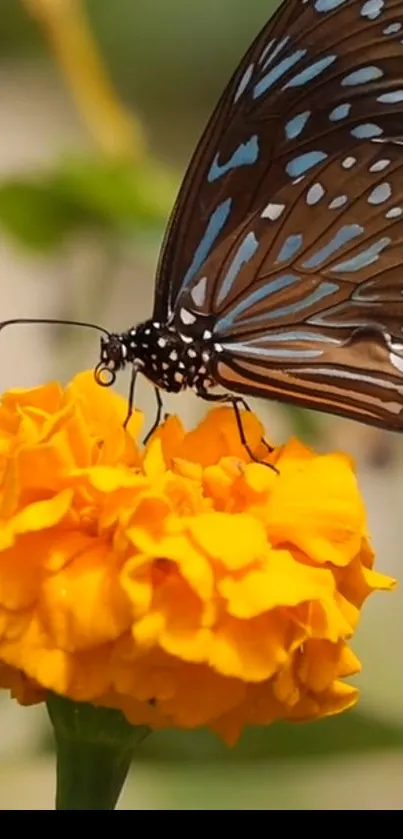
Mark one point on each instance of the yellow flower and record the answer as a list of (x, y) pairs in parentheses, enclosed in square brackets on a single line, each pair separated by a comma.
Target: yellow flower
[(181, 584)]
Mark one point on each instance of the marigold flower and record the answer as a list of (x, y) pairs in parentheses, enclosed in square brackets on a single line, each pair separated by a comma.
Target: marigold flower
[(181, 584)]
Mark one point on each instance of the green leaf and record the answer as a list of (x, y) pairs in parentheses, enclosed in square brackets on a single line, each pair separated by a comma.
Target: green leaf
[(117, 192), (80, 194), (30, 213), (352, 732)]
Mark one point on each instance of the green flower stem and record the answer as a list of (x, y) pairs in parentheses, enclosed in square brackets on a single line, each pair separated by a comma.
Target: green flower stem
[(94, 748)]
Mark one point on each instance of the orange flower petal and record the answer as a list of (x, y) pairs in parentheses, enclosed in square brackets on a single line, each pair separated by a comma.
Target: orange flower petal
[(182, 584), (36, 517), (235, 540), (325, 488), (279, 582)]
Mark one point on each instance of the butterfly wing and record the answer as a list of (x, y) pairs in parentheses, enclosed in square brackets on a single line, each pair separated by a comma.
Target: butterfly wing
[(305, 301), (321, 74)]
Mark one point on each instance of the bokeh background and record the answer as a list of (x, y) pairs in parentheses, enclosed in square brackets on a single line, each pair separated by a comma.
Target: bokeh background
[(101, 105)]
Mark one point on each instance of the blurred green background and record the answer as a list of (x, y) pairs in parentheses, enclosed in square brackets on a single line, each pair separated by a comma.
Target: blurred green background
[(92, 150)]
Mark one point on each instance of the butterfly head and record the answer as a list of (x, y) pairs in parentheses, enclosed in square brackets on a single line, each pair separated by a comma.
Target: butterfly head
[(113, 357)]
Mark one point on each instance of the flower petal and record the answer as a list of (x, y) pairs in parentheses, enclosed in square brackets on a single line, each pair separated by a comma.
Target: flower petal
[(279, 582), (184, 584), (235, 540)]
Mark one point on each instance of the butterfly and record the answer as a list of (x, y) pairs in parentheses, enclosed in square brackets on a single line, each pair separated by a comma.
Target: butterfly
[(281, 272)]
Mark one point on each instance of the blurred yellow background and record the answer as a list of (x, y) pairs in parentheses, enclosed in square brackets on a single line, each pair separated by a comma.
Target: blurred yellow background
[(101, 106)]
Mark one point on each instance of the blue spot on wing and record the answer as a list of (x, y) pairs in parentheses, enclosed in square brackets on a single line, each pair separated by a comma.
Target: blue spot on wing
[(301, 335), (340, 112), (279, 70), (290, 247), (271, 287), (328, 5), (372, 9), (343, 236), (323, 290), (390, 98), (367, 130), (297, 124), (311, 72), (243, 255), (245, 155), (215, 224), (380, 194), (254, 348), (362, 76), (364, 258), (304, 162)]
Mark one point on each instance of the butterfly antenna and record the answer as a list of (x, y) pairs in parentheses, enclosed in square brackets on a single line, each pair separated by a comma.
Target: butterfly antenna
[(54, 321)]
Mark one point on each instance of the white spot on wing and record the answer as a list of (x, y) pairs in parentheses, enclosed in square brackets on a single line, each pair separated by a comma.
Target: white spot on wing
[(315, 193), (243, 84), (198, 293), (186, 317), (392, 28), (394, 212), (372, 9), (338, 202), (273, 211), (397, 361), (394, 140), (348, 162), (379, 165)]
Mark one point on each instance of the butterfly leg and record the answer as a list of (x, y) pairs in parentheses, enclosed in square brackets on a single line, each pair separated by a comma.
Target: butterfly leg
[(247, 407), (131, 397), (131, 402), (236, 401), (157, 416)]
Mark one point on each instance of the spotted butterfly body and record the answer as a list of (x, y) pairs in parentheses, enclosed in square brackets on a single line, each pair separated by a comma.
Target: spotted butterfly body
[(281, 271)]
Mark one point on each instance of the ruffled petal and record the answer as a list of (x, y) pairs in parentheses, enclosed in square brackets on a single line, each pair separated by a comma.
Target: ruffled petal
[(181, 583)]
